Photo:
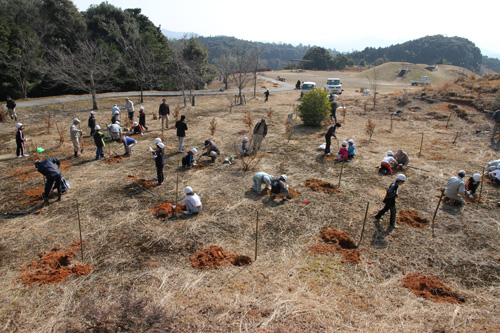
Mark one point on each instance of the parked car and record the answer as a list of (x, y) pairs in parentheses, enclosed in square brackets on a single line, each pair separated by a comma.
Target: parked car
[(423, 81), (306, 87), (333, 85)]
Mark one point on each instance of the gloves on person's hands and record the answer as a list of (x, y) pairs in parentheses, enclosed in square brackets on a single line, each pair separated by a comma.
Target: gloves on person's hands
[(471, 196), (468, 192), (151, 149)]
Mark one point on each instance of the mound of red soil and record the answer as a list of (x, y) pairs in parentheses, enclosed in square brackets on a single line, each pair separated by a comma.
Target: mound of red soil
[(25, 173), (215, 256), (52, 267), (201, 165), (412, 218), (165, 210), (318, 185), (337, 242), (430, 287), (331, 235), (293, 193), (114, 159), (142, 182)]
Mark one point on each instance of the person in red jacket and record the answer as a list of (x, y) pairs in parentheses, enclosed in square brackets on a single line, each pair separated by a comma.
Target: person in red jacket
[(342, 155)]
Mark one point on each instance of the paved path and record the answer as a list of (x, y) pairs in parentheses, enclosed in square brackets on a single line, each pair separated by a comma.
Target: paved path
[(37, 102)]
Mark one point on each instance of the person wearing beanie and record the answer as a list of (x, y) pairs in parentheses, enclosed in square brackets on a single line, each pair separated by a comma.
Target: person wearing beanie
[(99, 142), (91, 123), (159, 161), (402, 159), (181, 132), (390, 201), (387, 163), (142, 118), (243, 148), (472, 184), (192, 201), (342, 155), (20, 140), (351, 150), (328, 137), (75, 135), (136, 129), (261, 178), (11, 108), (188, 159), (454, 189), (259, 133), (279, 186)]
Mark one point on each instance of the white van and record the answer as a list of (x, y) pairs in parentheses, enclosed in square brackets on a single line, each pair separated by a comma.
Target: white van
[(306, 87), (333, 85)]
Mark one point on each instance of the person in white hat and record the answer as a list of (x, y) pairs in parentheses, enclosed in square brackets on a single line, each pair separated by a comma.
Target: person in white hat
[(455, 188), (142, 118), (99, 142), (279, 186), (75, 134), (387, 163), (192, 201), (136, 129), (115, 108), (472, 184), (159, 161), (115, 131), (188, 159), (91, 123), (390, 201), (351, 150), (342, 155), (116, 117), (20, 140), (243, 148), (261, 178)]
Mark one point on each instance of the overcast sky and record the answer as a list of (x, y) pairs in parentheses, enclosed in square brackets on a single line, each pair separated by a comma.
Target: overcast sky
[(343, 25)]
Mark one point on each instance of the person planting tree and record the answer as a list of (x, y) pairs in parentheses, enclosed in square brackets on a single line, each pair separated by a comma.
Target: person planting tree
[(279, 186)]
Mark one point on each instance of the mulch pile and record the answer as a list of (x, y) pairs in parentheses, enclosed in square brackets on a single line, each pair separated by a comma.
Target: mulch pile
[(430, 287), (142, 182), (337, 242), (318, 185), (53, 267), (165, 210), (215, 256), (412, 218)]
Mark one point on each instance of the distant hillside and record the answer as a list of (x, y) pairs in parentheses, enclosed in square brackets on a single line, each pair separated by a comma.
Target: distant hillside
[(430, 50), (176, 34), (491, 64)]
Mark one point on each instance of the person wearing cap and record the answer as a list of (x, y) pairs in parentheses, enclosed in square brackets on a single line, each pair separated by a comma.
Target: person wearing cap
[(243, 148), (164, 113), (99, 142), (455, 188), (129, 106), (188, 159), (279, 186), (52, 174), (11, 108), (20, 140), (342, 155), (387, 163), (136, 128), (159, 161), (266, 94), (128, 144), (495, 175), (115, 131), (75, 134), (472, 184), (91, 123), (496, 126), (142, 118), (259, 133), (211, 150), (192, 201), (402, 159), (261, 178), (181, 132), (390, 201), (328, 137), (351, 150)]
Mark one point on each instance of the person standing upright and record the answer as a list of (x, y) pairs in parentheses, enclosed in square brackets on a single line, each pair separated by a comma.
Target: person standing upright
[(11, 107), (259, 132), (328, 137), (181, 132), (164, 113), (390, 201), (266, 94), (129, 105), (75, 134), (91, 123), (496, 126), (20, 140)]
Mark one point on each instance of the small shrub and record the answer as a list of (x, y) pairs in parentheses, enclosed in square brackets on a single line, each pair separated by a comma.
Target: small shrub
[(213, 126), (270, 114), (177, 111), (248, 120), (370, 129), (314, 107)]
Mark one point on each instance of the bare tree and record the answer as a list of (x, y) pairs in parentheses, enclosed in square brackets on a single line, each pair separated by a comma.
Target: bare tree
[(244, 67), (226, 65), (88, 68), (374, 85)]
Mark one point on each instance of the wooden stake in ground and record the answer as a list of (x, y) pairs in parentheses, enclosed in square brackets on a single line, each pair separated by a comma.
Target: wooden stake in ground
[(256, 235), (456, 137), (481, 190), (437, 208), (177, 183), (364, 222), (340, 176), (391, 123), (449, 117), (79, 226), (421, 143)]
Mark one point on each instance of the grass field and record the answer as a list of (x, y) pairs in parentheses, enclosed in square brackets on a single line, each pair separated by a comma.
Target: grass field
[(141, 267)]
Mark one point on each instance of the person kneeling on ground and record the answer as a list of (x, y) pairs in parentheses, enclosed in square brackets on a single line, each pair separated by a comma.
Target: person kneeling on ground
[(387, 162), (243, 148), (402, 159), (136, 129), (390, 201), (261, 178), (455, 188), (495, 175), (128, 143), (114, 131), (279, 186), (342, 155), (351, 150), (472, 184), (192, 201), (211, 150), (51, 172), (188, 159)]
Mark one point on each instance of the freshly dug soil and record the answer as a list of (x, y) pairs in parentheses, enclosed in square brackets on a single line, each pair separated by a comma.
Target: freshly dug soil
[(142, 182), (165, 210), (215, 256), (318, 185), (293, 193), (114, 159), (412, 218), (337, 242), (430, 287), (202, 165), (52, 267), (25, 173), (331, 235)]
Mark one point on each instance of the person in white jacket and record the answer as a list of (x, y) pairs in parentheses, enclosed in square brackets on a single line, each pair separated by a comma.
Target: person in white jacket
[(456, 188), (192, 201)]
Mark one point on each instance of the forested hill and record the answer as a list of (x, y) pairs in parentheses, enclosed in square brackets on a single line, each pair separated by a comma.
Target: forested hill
[(491, 64), (274, 56), (430, 50)]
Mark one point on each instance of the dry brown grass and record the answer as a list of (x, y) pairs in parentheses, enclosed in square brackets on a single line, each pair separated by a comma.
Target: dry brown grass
[(143, 279)]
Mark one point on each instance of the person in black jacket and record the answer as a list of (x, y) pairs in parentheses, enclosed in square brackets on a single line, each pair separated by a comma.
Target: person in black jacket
[(333, 106), (159, 161), (91, 123), (142, 118), (11, 107), (259, 133), (181, 132), (20, 139), (164, 113), (99, 142), (51, 172), (328, 137), (390, 200)]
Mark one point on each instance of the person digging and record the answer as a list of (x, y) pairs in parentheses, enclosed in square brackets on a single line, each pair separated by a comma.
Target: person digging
[(261, 178), (279, 187), (390, 201), (51, 172), (454, 189), (192, 201)]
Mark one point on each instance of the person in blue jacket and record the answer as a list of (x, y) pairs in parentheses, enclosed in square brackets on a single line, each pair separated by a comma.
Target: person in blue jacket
[(51, 172), (351, 150), (128, 143), (188, 159)]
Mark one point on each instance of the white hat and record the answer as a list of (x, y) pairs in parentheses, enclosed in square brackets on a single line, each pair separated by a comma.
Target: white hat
[(92, 112), (188, 190), (245, 139), (135, 123), (390, 153), (401, 177), (344, 143), (161, 145), (76, 120), (194, 151), (351, 141), (116, 112), (141, 108), (283, 178), (476, 177), (157, 140), (97, 127), (19, 125)]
